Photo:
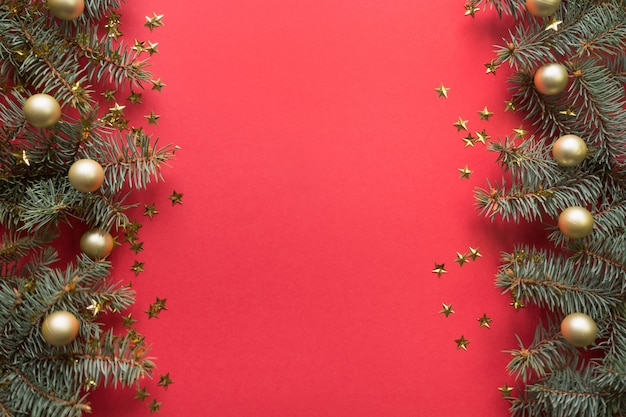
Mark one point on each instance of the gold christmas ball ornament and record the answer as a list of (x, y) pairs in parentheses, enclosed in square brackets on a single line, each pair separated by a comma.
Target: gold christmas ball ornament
[(66, 9), (575, 222), (551, 79), (579, 329), (42, 110), (86, 175), (542, 8), (96, 243), (569, 150), (60, 328)]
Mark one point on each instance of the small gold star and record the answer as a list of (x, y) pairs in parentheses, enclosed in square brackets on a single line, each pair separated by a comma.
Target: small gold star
[(109, 95), (134, 98), (176, 198), (482, 137), (470, 10), (152, 48), (156, 307), (446, 310), (117, 110), (150, 211), (154, 22), (136, 246), (152, 118), (485, 114), (520, 132), (165, 380), (94, 307), (568, 112), (474, 253), (141, 394), (465, 172), (128, 321), (138, 267), (155, 406), (516, 304), (510, 105), (157, 84), (439, 269), (491, 67), (469, 140), (460, 124), (134, 226), (139, 46), (505, 391), (461, 259), (442, 91), (462, 343), (484, 321), (554, 24)]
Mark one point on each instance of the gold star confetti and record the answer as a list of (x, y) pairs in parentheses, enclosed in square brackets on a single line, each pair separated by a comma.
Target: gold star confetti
[(136, 246), (516, 304), (109, 95), (21, 157), (505, 391), (155, 406), (139, 46), (554, 24), (157, 84), (439, 269), (176, 198), (150, 211), (461, 259), (568, 112), (152, 48), (156, 307), (470, 9), (128, 321), (154, 22), (469, 140), (94, 307), (520, 132), (491, 67), (482, 137), (442, 91), (510, 105), (141, 394), (165, 380), (465, 172), (134, 226), (474, 254), (117, 110), (134, 97), (462, 343), (485, 114), (138, 267), (460, 124), (446, 310), (484, 321), (152, 118)]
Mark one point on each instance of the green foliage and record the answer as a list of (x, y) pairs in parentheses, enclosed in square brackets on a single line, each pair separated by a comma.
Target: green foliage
[(73, 61), (575, 275)]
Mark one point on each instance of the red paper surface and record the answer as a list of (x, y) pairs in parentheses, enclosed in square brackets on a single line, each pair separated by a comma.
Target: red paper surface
[(321, 185)]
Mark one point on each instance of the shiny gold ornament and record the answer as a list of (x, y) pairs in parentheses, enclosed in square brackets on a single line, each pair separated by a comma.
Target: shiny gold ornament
[(96, 243), (66, 9), (579, 329), (575, 222), (42, 110), (569, 150), (551, 79), (60, 328), (542, 8), (86, 175)]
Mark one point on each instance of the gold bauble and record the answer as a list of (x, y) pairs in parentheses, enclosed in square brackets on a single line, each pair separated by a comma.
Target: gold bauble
[(96, 243), (575, 222), (551, 79), (42, 110), (569, 150), (66, 9), (542, 8), (60, 328), (86, 175), (579, 329)]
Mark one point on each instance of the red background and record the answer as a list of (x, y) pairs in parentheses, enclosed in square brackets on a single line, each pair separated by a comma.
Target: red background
[(321, 184)]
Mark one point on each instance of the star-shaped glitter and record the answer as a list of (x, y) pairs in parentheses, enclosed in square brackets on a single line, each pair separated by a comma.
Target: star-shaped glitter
[(176, 198), (117, 110), (94, 307), (155, 406), (520, 132), (154, 22), (461, 259), (505, 391), (470, 9), (134, 226), (485, 114), (139, 46), (465, 172), (134, 97), (141, 394), (516, 304), (469, 140), (156, 307), (442, 91), (446, 310), (157, 84), (152, 118), (165, 380), (152, 48), (554, 24), (462, 343), (510, 105), (150, 211), (138, 267), (136, 246), (568, 112), (491, 67), (474, 254), (460, 124), (484, 321), (439, 269), (128, 321), (482, 137)]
